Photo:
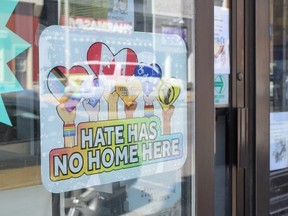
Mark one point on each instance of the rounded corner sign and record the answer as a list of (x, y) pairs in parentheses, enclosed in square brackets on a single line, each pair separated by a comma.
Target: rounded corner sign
[(108, 106)]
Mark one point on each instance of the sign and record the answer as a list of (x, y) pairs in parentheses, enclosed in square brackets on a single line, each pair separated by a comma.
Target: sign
[(148, 195), (278, 140), (221, 41), (99, 25), (114, 16), (122, 11), (221, 89), (108, 106)]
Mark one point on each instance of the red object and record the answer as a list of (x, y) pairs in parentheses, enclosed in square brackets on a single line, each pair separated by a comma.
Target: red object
[(26, 27)]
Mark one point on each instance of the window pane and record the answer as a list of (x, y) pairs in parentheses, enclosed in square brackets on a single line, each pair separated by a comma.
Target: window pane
[(278, 107), (100, 107)]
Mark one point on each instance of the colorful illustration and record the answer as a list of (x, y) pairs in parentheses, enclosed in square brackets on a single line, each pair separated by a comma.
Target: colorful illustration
[(278, 140), (169, 91), (66, 85), (221, 41), (149, 76), (110, 68), (100, 120)]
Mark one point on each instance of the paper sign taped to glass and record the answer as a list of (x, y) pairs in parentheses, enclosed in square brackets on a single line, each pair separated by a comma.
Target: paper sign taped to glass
[(113, 107)]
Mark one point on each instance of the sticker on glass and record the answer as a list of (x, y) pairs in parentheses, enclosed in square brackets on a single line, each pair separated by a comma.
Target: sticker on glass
[(113, 107)]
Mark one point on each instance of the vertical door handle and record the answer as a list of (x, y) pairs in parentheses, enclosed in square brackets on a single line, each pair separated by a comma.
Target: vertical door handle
[(242, 114)]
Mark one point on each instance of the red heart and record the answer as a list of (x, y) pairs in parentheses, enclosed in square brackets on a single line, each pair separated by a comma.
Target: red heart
[(103, 61)]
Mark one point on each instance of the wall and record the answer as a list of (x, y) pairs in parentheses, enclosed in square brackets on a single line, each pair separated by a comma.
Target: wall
[(27, 201)]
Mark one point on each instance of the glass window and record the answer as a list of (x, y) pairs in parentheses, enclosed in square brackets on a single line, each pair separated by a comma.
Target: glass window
[(97, 107), (20, 116), (222, 94), (278, 107)]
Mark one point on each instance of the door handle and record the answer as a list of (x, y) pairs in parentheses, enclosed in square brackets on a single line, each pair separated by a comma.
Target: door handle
[(242, 134)]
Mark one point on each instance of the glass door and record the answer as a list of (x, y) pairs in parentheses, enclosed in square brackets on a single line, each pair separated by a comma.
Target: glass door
[(107, 108), (278, 107), (233, 97), (99, 112)]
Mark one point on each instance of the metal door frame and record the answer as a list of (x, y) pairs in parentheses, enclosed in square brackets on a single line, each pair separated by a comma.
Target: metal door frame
[(262, 108), (250, 39), (251, 58), (204, 107)]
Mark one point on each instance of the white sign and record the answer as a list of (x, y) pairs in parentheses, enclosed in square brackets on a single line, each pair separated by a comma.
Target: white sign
[(107, 106), (122, 11), (221, 89), (278, 140), (221, 41), (158, 194)]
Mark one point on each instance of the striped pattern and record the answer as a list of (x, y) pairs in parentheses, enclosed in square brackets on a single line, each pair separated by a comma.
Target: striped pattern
[(60, 78), (69, 130), (148, 110)]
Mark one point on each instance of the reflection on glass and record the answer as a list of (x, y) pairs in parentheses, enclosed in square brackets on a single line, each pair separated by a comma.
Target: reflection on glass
[(223, 179), (19, 143), (278, 107), (156, 92)]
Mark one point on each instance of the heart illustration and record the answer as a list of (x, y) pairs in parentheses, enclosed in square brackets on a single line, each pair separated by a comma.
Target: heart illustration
[(128, 91), (112, 66), (94, 90), (65, 85), (169, 91), (149, 75)]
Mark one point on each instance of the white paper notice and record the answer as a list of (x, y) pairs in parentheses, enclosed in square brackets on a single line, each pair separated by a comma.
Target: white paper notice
[(278, 140), (221, 41)]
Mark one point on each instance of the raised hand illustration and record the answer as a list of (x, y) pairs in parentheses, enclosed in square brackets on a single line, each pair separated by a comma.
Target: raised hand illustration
[(150, 76), (69, 128), (168, 92), (92, 95), (110, 68)]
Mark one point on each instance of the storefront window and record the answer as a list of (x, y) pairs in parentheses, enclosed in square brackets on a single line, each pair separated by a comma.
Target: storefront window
[(278, 107), (97, 105)]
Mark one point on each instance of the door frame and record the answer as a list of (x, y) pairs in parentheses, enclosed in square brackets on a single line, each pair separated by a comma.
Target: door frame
[(251, 194), (254, 190), (204, 107), (255, 197), (262, 108)]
